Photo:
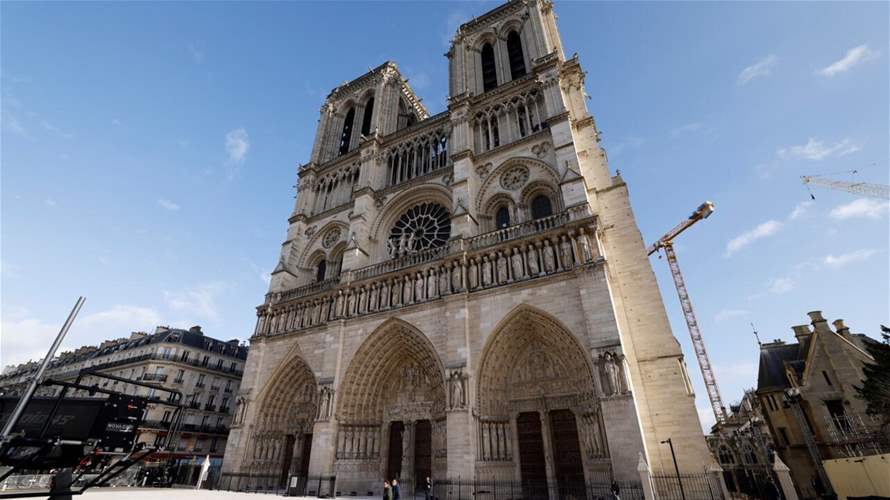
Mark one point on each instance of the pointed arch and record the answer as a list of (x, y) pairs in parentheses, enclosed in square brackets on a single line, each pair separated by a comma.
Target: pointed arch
[(394, 356), (289, 399), (547, 361)]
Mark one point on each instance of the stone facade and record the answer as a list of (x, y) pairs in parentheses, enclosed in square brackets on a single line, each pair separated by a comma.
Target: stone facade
[(466, 294), (807, 395)]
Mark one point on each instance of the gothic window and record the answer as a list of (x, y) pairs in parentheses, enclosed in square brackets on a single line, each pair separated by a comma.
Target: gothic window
[(489, 73), (495, 137), (541, 207), (346, 136), (514, 53), (320, 270), (338, 265), (502, 217), (366, 118), (423, 226), (522, 118)]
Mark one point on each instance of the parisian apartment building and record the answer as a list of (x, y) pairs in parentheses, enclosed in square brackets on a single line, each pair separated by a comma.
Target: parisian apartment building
[(206, 371)]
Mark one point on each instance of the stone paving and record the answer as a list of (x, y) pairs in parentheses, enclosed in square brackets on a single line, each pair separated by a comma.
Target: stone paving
[(181, 494)]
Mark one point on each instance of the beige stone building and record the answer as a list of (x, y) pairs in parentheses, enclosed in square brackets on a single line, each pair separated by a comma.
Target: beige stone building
[(206, 371), (807, 395), (464, 295)]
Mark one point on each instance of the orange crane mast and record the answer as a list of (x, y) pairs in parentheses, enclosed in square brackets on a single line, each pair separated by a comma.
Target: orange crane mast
[(666, 243)]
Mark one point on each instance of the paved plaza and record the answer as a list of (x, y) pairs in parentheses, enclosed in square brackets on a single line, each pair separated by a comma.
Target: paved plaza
[(180, 494)]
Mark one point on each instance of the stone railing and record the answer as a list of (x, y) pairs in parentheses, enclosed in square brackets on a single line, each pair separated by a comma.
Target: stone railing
[(311, 288), (539, 248)]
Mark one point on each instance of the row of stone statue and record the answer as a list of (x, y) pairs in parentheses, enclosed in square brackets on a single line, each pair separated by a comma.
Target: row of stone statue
[(525, 261)]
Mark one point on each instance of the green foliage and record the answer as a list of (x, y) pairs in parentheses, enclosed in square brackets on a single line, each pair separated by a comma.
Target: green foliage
[(875, 388)]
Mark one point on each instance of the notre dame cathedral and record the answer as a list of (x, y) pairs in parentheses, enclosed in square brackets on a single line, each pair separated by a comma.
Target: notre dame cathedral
[(464, 295)]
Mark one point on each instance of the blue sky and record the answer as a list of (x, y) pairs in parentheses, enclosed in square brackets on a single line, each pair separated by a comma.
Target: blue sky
[(149, 152)]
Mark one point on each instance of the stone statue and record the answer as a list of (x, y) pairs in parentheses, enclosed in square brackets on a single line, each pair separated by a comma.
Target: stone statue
[(549, 263), (443, 280), (612, 369), (533, 268), (502, 267), (516, 260), (431, 282), (486, 271), (567, 259), (403, 245), (455, 277), (584, 243), (419, 287), (410, 247)]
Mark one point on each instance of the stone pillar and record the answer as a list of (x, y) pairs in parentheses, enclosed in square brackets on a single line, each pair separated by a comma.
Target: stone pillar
[(646, 479), (784, 474), (716, 473), (322, 456), (547, 437), (407, 477)]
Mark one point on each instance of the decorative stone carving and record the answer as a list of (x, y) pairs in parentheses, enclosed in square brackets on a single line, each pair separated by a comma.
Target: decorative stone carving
[(457, 389), (423, 226), (310, 231), (331, 237), (515, 177), (612, 374), (540, 150), (484, 169), (325, 400)]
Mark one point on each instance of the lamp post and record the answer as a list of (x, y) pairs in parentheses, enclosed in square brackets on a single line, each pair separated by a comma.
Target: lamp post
[(676, 468)]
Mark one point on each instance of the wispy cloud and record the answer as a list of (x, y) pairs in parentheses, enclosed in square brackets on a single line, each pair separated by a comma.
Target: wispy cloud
[(764, 230), (49, 202), (116, 122), (762, 67), (196, 52), (15, 126), (169, 205), (800, 209), (628, 143), (860, 208), (49, 127), (199, 301), (237, 146), (854, 57), (818, 150), (849, 257), (684, 129), (782, 285), (725, 314)]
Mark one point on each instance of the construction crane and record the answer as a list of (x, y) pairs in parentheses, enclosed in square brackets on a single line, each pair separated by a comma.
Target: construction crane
[(881, 191), (666, 243)]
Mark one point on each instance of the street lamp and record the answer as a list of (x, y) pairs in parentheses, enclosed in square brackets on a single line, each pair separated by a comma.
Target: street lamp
[(674, 458)]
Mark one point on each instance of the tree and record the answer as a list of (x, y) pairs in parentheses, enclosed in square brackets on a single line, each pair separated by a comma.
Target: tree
[(875, 389)]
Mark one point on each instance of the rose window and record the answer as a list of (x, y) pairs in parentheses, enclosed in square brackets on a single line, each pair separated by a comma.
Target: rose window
[(514, 178), (423, 226)]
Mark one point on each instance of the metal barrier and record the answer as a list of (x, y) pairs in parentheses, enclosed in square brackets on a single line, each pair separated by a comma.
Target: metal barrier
[(316, 486), (480, 489), (688, 486)]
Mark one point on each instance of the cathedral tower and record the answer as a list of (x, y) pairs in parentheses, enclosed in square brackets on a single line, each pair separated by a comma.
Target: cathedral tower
[(465, 295)]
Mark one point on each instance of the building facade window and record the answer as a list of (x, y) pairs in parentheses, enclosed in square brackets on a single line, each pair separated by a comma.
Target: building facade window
[(514, 53), (489, 70), (321, 270), (366, 118), (541, 207), (346, 136), (502, 218)]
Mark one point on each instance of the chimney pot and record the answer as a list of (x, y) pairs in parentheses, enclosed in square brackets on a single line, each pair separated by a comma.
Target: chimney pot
[(815, 316)]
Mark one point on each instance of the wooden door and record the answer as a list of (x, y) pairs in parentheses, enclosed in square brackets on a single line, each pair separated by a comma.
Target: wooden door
[(423, 456), (394, 461), (569, 468), (532, 464)]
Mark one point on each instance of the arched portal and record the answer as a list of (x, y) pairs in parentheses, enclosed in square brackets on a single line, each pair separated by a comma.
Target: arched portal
[(391, 411), (537, 408), (281, 439)]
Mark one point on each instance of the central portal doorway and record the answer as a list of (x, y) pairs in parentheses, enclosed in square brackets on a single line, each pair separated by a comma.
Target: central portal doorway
[(532, 464), (423, 453), (567, 454), (394, 461)]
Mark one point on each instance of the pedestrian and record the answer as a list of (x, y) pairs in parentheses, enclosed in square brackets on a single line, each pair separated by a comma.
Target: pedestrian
[(615, 490), (395, 490), (427, 486), (387, 491)]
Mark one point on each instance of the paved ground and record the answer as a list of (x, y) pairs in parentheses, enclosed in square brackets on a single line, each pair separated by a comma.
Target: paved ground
[(180, 494)]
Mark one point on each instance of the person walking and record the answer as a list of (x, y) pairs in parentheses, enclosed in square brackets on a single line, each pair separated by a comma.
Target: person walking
[(615, 490), (396, 490), (387, 491), (427, 486)]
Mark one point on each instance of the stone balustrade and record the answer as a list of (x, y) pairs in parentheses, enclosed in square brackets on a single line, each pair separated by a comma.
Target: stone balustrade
[(534, 249)]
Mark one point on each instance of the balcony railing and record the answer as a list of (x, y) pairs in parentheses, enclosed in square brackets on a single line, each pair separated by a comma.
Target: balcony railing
[(209, 407), (214, 388), (530, 250), (200, 384), (147, 357), (155, 377), (318, 286)]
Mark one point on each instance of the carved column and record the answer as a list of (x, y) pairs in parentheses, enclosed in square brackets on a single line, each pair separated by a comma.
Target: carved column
[(547, 435)]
